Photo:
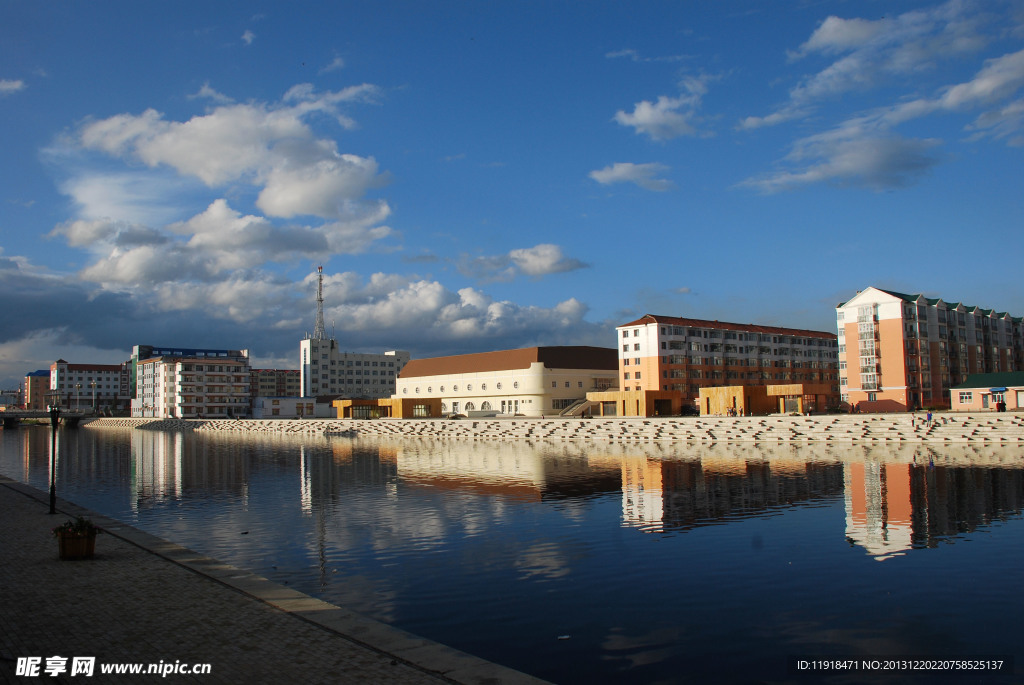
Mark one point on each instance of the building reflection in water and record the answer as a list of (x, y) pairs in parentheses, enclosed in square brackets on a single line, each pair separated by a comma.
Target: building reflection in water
[(893, 508), (660, 496), (168, 465), (896, 499), (878, 508)]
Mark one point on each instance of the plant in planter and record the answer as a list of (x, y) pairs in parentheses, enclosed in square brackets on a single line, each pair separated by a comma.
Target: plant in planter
[(77, 539)]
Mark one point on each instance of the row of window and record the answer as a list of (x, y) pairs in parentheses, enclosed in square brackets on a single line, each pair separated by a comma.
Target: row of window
[(943, 315), (681, 331), (753, 375), (233, 368), (469, 387), (334, 372), (743, 361), (694, 388), (741, 349), (356, 362), (353, 381)]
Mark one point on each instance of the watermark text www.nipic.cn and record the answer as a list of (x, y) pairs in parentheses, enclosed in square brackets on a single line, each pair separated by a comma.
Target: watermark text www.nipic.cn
[(53, 666)]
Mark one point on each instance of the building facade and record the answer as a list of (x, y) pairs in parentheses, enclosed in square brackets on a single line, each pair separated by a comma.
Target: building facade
[(534, 381), (193, 387), (36, 390), (326, 370), (665, 354), (143, 352), (275, 383), (287, 408), (78, 387), (900, 351)]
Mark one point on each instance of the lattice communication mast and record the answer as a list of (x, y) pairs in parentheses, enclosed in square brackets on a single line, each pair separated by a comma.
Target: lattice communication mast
[(319, 333)]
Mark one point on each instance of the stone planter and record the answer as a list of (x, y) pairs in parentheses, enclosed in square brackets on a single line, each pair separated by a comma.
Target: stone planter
[(76, 545)]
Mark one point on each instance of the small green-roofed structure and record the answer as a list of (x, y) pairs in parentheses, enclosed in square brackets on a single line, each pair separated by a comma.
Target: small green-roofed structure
[(989, 392)]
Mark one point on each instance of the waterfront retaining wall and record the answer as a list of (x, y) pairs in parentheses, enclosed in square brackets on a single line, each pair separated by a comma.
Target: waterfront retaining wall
[(1006, 428)]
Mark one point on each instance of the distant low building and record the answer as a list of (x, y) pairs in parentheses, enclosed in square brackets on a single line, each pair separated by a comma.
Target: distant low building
[(534, 381), (985, 391), (290, 408), (87, 386), (36, 390), (275, 383), (391, 408), (751, 400)]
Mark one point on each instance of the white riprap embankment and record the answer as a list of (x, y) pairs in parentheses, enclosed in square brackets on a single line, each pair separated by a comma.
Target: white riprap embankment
[(993, 428)]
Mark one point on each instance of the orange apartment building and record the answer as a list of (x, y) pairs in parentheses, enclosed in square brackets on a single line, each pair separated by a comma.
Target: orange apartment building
[(899, 351), (36, 391), (673, 358)]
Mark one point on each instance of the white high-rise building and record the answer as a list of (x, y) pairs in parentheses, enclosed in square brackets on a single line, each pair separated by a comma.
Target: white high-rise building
[(193, 386), (326, 370)]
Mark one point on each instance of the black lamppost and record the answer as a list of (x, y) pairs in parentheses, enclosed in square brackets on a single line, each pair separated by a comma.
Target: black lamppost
[(54, 420)]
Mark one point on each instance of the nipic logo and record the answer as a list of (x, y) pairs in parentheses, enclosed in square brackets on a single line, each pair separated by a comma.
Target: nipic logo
[(53, 666)]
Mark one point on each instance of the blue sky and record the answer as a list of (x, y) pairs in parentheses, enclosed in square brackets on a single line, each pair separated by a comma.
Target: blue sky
[(489, 175)]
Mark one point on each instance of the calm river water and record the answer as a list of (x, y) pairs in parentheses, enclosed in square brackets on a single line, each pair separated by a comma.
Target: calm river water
[(584, 563)]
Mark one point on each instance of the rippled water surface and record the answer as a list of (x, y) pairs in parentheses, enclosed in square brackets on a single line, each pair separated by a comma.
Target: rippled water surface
[(593, 562)]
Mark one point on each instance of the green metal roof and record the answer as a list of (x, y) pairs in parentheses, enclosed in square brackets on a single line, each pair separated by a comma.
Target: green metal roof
[(902, 296), (932, 301), (1006, 379)]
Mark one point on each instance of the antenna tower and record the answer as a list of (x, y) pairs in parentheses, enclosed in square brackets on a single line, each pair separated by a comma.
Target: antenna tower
[(318, 331)]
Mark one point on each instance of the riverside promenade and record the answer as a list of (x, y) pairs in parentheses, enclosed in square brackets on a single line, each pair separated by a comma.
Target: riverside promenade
[(144, 600), (945, 428)]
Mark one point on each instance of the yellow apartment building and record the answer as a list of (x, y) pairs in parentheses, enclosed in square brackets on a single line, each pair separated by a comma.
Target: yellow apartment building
[(673, 358), (900, 351)]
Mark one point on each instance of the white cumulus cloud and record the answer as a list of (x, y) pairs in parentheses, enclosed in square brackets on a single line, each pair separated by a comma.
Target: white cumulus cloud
[(8, 86), (643, 175), (662, 120), (537, 261), (269, 146)]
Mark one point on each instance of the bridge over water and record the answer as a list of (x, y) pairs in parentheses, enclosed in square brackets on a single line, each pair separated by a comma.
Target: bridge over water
[(12, 418)]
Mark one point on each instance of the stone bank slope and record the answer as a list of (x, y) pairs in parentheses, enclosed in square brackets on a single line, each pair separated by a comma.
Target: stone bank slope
[(1005, 429)]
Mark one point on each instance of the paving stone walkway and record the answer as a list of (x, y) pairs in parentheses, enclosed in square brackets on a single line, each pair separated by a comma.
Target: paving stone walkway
[(145, 600)]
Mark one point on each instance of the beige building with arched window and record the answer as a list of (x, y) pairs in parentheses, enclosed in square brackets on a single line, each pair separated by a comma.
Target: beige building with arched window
[(535, 381)]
